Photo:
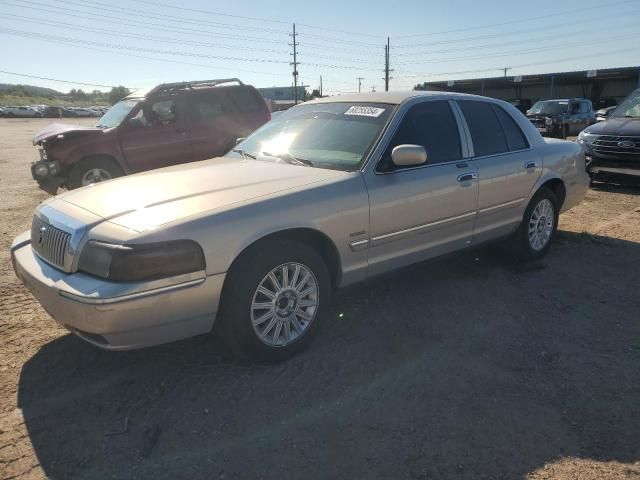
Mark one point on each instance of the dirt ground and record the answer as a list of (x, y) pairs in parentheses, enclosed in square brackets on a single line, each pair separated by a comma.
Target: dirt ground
[(469, 367)]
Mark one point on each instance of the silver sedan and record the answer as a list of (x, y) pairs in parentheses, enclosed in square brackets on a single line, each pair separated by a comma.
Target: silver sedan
[(327, 194)]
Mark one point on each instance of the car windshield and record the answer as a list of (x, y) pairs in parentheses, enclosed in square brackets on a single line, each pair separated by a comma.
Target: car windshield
[(116, 114), (550, 107), (326, 135), (630, 107)]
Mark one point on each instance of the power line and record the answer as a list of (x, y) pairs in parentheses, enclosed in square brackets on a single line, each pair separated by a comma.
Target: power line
[(520, 20), (57, 80), (133, 35), (27, 34)]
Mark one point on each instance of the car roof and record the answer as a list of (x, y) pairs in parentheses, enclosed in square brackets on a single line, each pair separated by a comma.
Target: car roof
[(395, 98)]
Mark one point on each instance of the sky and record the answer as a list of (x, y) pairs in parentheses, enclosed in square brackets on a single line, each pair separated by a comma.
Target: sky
[(140, 43)]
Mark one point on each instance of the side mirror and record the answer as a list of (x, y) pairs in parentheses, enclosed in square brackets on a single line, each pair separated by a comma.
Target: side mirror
[(136, 122), (408, 155), (240, 139)]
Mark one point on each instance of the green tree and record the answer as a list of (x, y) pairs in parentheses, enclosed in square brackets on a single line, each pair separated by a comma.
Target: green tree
[(117, 93)]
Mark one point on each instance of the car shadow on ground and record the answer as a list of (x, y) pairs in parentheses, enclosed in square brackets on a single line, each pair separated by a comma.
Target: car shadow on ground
[(468, 367), (631, 187)]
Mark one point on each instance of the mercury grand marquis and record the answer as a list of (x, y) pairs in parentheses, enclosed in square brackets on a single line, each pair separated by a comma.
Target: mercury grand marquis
[(329, 193)]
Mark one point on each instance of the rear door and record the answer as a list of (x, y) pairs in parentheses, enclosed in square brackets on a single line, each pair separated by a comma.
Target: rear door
[(157, 135), (507, 168)]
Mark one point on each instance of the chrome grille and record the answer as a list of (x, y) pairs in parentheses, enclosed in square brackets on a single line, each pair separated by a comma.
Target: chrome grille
[(625, 148), (50, 243)]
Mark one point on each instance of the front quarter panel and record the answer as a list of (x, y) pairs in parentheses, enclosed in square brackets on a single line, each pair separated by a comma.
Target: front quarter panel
[(337, 208)]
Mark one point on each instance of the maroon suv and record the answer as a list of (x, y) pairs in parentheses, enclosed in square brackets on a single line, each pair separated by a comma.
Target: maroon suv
[(170, 124)]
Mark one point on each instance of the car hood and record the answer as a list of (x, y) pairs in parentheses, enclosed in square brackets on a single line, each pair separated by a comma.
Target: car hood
[(62, 129), (150, 199), (616, 126)]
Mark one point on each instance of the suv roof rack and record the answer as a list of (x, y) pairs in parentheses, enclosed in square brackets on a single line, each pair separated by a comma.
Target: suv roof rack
[(173, 87)]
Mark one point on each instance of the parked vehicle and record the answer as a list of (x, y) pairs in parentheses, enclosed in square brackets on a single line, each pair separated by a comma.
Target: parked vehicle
[(522, 104), (1, 112), (604, 113), (170, 124), (22, 112), (329, 193), (52, 112), (612, 146), (563, 117)]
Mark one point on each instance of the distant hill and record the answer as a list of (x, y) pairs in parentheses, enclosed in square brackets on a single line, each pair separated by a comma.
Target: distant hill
[(31, 90)]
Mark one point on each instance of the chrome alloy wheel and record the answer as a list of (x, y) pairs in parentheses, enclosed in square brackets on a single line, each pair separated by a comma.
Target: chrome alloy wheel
[(95, 175), (541, 224), (284, 304)]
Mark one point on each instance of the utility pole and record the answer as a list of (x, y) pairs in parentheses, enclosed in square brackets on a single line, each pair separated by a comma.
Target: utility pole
[(373, 89), (320, 86), (505, 70), (295, 64), (386, 66), (359, 83)]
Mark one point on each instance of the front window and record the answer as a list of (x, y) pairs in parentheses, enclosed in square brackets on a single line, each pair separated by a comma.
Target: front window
[(325, 135), (549, 107), (629, 108), (117, 114)]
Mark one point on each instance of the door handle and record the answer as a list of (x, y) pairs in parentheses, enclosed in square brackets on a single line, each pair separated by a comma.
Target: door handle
[(465, 177), (529, 165)]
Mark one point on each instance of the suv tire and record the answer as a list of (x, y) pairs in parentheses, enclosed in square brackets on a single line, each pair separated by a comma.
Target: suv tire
[(93, 170), (266, 319)]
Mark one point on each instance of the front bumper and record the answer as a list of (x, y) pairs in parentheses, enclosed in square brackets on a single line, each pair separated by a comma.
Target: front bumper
[(48, 175), (118, 316)]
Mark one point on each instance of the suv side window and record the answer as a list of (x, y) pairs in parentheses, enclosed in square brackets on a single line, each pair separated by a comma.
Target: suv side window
[(431, 125), (584, 107), (515, 138), (246, 100), (158, 113), (207, 106), (486, 131)]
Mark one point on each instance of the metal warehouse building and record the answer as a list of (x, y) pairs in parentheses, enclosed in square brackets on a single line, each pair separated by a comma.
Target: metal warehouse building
[(603, 87)]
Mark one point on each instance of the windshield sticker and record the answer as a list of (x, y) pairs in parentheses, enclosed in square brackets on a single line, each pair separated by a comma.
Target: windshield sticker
[(365, 111)]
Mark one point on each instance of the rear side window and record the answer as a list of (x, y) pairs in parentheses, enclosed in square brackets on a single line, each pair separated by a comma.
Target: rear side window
[(486, 132), (206, 106), (432, 125), (515, 138), (246, 100)]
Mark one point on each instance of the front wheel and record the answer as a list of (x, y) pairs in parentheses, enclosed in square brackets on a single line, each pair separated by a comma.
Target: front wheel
[(538, 228), (274, 299), (93, 170)]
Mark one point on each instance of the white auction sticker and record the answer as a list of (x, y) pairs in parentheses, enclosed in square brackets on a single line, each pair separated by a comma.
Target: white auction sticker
[(365, 111)]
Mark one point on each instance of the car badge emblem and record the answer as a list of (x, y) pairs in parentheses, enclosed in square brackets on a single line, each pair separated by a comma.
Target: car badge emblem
[(626, 144), (41, 235)]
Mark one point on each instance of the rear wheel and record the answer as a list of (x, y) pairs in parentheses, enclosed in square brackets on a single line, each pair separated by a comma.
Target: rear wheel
[(538, 228), (93, 170), (273, 300)]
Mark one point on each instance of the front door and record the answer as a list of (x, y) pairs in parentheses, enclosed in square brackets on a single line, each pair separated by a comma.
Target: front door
[(427, 210), (157, 135)]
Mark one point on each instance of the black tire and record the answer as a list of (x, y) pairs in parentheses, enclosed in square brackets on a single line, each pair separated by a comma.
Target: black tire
[(79, 170), (245, 276), (520, 243)]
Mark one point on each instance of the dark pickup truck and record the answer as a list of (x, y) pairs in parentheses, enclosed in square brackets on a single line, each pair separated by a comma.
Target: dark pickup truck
[(170, 124), (562, 117), (612, 147)]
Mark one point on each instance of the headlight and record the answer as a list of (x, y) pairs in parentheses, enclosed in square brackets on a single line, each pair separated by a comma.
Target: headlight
[(548, 120), (132, 263), (588, 138)]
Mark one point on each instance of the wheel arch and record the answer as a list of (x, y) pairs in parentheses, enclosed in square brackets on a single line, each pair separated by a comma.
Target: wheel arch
[(556, 184), (315, 239), (103, 156)]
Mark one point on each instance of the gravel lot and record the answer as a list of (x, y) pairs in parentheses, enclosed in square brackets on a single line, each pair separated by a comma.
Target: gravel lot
[(469, 367)]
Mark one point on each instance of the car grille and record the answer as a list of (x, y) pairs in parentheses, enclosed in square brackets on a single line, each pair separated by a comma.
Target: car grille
[(538, 122), (50, 243), (623, 148)]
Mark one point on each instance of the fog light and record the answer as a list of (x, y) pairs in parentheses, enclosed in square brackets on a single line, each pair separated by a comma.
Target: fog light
[(41, 170), (54, 169)]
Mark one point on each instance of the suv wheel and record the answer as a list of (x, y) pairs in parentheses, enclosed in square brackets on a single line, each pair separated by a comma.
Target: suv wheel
[(273, 300), (93, 170), (538, 228)]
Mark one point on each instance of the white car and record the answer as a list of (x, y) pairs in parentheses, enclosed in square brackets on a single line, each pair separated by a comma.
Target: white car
[(22, 112)]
